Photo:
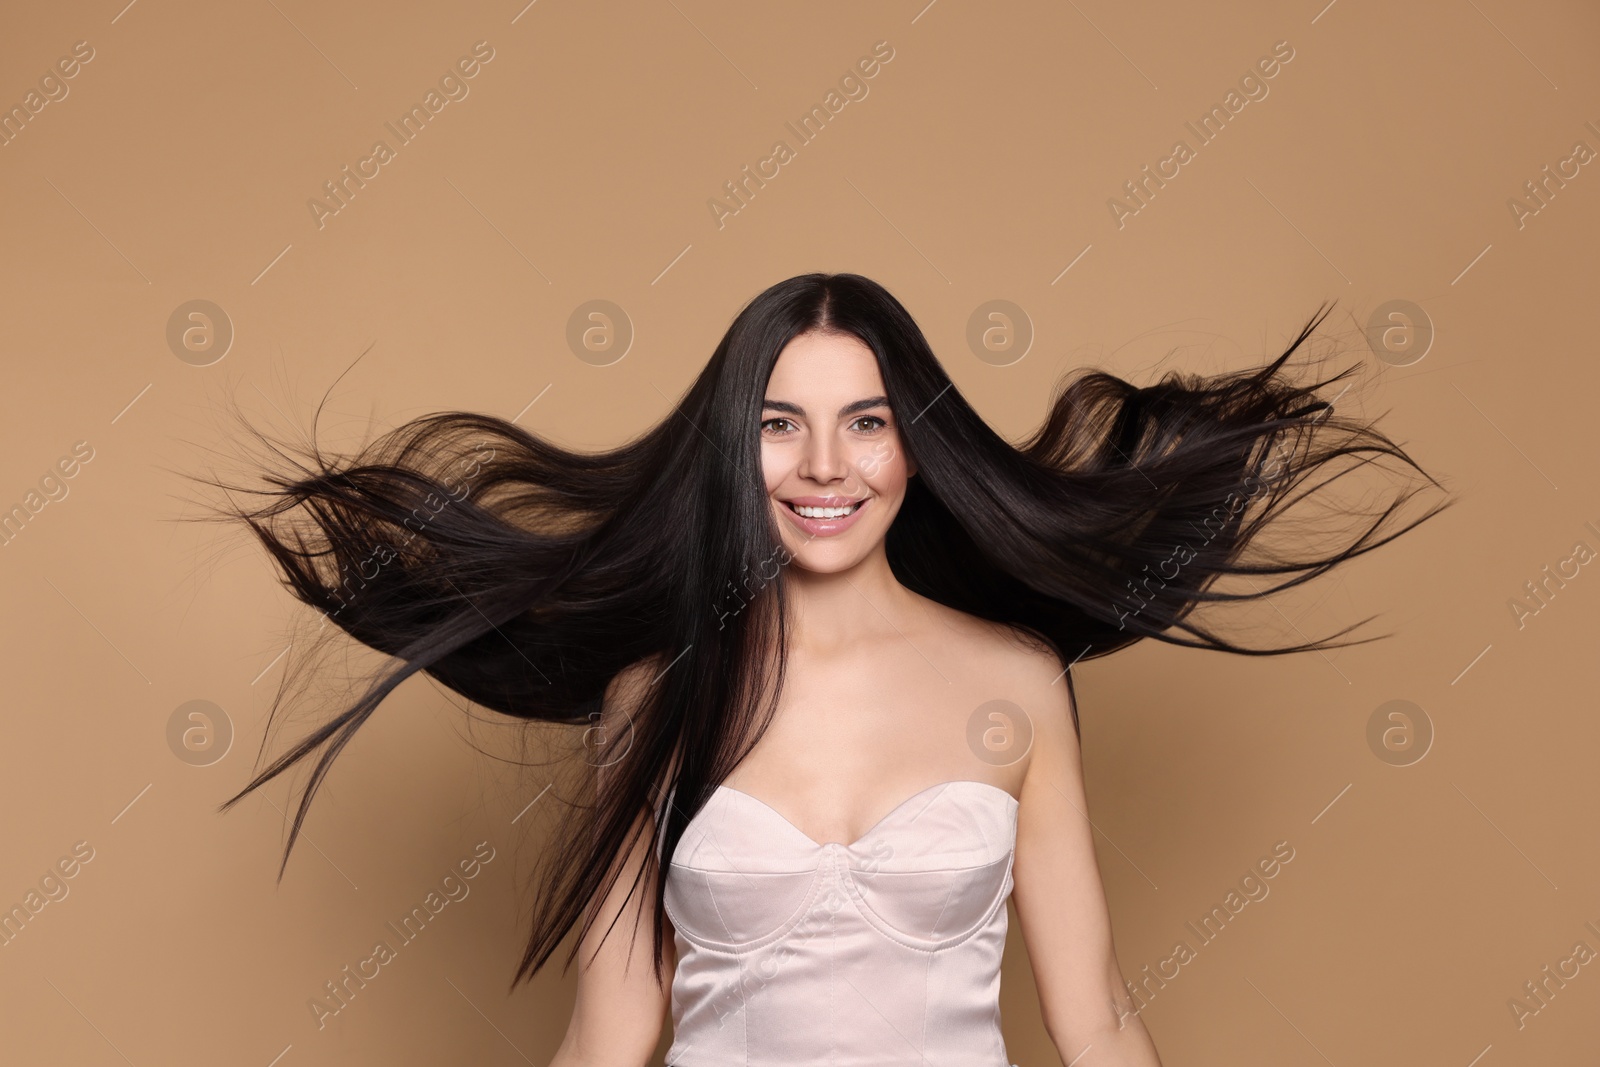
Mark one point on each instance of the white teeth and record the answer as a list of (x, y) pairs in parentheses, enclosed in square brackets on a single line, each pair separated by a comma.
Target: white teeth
[(824, 513)]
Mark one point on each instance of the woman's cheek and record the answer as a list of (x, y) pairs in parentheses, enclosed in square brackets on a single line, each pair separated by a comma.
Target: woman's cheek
[(884, 465), (772, 469)]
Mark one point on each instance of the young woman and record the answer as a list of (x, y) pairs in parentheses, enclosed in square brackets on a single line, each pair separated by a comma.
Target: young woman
[(819, 625)]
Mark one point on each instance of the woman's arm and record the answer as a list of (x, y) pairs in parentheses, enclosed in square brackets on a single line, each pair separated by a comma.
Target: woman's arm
[(616, 1020), (1061, 905)]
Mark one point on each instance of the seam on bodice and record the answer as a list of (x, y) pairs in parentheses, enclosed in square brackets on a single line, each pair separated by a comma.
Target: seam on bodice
[(924, 944), (736, 948)]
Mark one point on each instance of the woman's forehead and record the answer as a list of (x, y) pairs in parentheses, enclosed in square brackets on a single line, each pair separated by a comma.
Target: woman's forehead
[(825, 367)]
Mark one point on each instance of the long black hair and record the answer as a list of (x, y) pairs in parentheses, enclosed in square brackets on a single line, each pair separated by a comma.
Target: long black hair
[(529, 578)]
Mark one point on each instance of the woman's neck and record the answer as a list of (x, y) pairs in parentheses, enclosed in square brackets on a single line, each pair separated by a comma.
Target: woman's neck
[(839, 608)]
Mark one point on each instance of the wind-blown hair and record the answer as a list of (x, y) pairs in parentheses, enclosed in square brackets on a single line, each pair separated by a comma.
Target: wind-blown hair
[(538, 574)]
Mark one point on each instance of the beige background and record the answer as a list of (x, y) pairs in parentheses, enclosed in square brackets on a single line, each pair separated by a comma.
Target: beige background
[(1379, 167)]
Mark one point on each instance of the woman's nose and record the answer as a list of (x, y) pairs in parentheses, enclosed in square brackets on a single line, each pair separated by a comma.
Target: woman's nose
[(824, 460)]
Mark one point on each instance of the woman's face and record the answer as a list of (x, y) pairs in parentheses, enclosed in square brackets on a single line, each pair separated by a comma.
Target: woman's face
[(830, 451)]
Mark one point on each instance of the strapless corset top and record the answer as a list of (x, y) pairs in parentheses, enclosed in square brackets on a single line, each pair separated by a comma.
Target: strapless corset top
[(881, 952)]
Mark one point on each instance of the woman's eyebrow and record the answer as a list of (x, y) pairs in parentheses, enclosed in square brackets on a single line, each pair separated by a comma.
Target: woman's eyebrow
[(849, 409)]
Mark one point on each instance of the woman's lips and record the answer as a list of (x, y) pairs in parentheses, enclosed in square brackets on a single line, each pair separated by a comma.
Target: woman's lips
[(823, 527)]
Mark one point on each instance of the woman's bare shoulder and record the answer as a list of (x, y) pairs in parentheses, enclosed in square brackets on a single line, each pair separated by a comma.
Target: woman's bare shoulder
[(631, 681), (625, 697), (999, 650)]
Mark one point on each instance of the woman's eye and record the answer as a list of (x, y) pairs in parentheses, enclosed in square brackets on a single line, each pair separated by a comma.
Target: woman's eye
[(781, 427)]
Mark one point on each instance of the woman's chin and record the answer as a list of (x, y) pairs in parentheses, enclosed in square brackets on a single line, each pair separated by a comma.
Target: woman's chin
[(821, 559)]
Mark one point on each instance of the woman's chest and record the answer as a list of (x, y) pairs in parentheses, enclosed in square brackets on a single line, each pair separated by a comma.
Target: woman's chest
[(842, 747), (935, 867)]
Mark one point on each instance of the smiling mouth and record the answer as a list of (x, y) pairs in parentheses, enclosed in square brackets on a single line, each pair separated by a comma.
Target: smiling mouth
[(807, 511)]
